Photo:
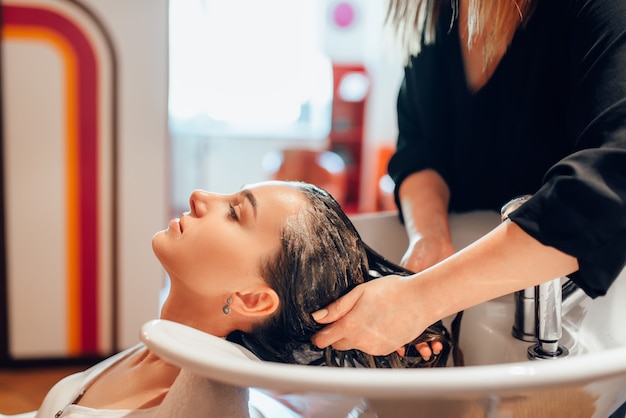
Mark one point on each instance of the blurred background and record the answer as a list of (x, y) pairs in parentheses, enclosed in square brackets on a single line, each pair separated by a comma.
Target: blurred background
[(256, 86)]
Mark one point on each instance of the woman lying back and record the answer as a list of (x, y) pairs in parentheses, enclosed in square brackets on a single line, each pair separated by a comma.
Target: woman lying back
[(251, 266)]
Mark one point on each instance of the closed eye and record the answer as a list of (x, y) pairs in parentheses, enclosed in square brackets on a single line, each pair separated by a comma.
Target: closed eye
[(232, 212)]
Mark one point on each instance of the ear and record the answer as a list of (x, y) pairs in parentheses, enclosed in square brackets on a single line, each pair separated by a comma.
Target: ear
[(259, 301)]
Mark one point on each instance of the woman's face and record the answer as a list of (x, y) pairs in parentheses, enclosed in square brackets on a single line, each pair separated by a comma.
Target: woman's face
[(219, 245)]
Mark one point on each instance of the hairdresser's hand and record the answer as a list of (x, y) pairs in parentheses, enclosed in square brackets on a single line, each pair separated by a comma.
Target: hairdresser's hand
[(377, 317), (424, 198), (424, 252)]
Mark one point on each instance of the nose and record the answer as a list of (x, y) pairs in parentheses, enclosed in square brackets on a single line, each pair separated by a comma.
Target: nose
[(198, 202)]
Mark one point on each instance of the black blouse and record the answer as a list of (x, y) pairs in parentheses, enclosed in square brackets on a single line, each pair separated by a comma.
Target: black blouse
[(550, 122)]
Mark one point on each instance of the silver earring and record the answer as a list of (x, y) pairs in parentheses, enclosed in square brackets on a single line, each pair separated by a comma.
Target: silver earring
[(226, 308)]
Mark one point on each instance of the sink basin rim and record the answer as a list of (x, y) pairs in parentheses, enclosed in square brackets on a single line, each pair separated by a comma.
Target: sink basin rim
[(192, 349)]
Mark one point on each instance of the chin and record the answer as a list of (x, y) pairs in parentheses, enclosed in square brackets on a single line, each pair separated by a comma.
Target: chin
[(156, 243)]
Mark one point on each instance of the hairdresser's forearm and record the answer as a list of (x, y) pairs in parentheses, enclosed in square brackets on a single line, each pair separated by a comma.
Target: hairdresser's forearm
[(424, 198), (505, 260)]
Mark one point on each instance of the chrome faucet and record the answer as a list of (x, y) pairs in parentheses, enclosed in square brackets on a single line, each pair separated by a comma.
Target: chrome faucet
[(540, 309)]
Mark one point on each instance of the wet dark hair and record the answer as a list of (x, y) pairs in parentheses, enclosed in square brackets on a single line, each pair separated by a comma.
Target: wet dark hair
[(322, 258)]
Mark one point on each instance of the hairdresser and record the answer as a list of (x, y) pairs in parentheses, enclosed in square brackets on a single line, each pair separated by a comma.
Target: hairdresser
[(499, 99)]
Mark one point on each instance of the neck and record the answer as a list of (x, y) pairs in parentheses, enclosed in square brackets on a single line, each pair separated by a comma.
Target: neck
[(481, 54), (149, 359), (206, 317)]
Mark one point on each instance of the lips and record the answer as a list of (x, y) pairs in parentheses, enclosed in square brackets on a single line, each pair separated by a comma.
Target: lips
[(175, 225)]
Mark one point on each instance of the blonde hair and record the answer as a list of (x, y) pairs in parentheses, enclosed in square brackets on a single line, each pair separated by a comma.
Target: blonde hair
[(414, 22)]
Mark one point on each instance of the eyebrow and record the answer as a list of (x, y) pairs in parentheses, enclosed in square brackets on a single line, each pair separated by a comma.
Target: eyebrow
[(251, 198)]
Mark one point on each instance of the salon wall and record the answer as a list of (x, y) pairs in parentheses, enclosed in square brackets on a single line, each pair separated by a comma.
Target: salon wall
[(84, 118)]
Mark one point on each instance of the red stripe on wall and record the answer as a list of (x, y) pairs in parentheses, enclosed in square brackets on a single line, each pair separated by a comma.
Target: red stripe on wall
[(88, 138)]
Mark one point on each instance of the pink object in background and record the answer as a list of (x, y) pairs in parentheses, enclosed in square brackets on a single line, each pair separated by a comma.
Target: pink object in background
[(343, 14)]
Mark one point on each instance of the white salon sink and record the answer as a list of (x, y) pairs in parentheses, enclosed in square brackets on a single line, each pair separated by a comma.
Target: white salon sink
[(497, 381)]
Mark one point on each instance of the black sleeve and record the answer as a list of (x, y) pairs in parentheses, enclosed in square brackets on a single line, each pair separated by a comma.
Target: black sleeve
[(581, 207), (422, 97)]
